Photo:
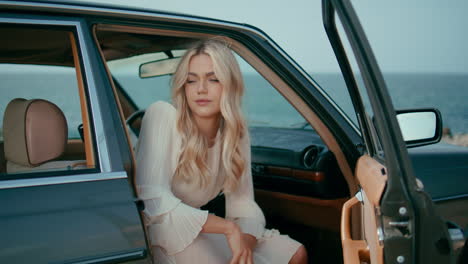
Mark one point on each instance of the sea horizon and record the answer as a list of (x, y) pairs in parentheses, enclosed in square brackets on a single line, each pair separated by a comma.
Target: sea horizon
[(444, 91)]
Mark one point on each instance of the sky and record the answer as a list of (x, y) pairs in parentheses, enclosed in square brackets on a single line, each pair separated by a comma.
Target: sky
[(406, 36)]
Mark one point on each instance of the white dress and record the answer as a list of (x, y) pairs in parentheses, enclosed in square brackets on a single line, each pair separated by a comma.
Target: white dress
[(172, 209)]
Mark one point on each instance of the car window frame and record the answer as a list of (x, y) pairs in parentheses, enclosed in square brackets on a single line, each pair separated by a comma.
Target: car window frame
[(73, 27), (286, 78)]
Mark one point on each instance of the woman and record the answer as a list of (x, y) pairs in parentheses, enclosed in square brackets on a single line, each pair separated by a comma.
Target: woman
[(189, 153)]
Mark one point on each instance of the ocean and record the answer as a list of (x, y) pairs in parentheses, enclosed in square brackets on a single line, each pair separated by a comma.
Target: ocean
[(446, 92), (263, 105)]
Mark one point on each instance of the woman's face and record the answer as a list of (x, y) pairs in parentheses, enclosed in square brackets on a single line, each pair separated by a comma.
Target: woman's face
[(202, 88)]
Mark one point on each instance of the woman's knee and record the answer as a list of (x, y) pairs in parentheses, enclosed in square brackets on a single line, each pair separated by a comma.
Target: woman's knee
[(300, 257)]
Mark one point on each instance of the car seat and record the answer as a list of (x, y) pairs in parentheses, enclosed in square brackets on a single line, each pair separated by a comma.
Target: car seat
[(35, 133)]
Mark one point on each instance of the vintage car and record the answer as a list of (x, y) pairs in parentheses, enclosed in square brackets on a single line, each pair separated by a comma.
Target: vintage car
[(75, 80)]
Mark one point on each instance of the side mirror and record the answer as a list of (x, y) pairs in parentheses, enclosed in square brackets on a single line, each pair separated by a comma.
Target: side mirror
[(420, 126), (159, 67)]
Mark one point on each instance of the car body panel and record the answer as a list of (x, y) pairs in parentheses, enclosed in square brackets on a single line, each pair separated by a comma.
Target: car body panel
[(88, 217), (441, 168), (82, 221)]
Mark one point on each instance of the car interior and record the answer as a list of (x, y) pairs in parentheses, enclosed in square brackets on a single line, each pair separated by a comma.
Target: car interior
[(38, 140), (301, 188)]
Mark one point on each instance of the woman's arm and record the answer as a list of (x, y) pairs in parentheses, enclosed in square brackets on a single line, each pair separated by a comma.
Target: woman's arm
[(171, 224), (240, 203), (241, 244)]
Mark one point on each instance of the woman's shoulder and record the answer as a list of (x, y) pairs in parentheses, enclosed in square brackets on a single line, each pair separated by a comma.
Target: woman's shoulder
[(161, 107), (160, 110)]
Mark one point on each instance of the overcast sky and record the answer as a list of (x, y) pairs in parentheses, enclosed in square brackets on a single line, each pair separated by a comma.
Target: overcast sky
[(416, 35)]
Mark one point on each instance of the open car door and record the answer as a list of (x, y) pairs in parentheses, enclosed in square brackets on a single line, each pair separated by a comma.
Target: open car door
[(399, 223)]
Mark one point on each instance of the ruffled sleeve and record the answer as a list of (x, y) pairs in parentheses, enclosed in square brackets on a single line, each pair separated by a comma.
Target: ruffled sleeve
[(240, 204), (171, 224)]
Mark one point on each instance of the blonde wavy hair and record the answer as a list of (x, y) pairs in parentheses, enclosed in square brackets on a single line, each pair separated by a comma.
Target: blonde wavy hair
[(192, 165)]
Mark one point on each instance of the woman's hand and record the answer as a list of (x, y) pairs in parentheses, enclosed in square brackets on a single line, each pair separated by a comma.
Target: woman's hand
[(241, 245)]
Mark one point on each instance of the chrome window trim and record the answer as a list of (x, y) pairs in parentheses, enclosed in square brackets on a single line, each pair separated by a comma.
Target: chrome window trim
[(102, 154), (32, 182), (43, 22), (127, 256), (448, 198), (160, 15)]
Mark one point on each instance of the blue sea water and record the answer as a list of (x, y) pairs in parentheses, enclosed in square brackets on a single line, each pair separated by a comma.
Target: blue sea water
[(446, 92), (263, 105)]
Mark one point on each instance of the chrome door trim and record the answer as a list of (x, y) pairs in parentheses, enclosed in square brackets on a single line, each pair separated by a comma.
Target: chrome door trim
[(102, 176), (117, 258), (34, 21), (448, 198)]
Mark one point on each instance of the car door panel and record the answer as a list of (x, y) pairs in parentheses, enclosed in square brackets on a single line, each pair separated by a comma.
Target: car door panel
[(372, 179), (412, 232), (63, 215), (51, 220)]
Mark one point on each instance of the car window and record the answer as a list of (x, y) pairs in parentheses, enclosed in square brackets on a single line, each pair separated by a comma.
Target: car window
[(38, 84), (40, 106), (424, 65), (366, 124), (319, 62), (142, 91), (259, 113), (263, 105)]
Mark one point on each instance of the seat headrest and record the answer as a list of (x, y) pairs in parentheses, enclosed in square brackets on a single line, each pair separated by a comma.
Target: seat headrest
[(34, 131)]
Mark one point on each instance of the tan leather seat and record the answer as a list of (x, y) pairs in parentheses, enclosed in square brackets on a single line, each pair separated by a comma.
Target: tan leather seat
[(35, 133)]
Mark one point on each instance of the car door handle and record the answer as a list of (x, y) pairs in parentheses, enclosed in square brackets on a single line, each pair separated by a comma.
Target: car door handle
[(354, 251)]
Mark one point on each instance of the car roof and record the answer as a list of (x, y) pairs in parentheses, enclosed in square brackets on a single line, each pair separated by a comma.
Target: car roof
[(113, 43), (111, 9)]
